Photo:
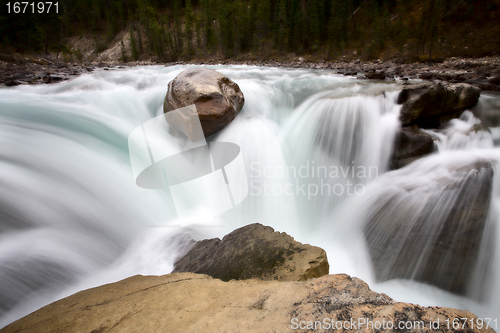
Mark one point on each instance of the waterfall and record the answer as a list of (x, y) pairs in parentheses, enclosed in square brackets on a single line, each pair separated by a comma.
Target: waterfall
[(316, 148), (344, 139)]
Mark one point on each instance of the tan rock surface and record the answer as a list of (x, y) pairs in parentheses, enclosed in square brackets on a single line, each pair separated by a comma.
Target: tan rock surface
[(187, 302)]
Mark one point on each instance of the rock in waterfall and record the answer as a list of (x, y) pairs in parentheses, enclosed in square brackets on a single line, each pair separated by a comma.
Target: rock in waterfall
[(411, 144), (218, 99), (429, 104), (430, 229), (255, 251)]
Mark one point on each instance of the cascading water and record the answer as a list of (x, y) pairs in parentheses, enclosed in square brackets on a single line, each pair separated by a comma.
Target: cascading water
[(336, 142), (316, 148)]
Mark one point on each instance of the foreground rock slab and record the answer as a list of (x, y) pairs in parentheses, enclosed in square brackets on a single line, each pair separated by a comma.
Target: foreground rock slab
[(187, 302), (218, 99), (255, 251), (428, 105)]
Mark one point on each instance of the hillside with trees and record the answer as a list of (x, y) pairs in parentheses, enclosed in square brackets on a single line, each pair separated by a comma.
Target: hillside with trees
[(259, 29)]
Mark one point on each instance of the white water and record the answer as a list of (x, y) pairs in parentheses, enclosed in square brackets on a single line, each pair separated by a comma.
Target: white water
[(71, 216)]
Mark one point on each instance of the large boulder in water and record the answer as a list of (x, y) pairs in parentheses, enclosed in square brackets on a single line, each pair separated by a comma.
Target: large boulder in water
[(187, 302), (431, 228), (411, 144), (255, 251), (428, 105), (218, 99)]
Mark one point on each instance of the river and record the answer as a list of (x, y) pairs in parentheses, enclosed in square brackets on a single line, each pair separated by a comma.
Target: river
[(316, 147)]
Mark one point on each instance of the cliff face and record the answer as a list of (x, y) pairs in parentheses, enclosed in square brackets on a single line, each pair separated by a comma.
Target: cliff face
[(188, 302)]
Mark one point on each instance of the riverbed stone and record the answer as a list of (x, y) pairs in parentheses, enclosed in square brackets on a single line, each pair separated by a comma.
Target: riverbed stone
[(411, 143), (218, 99), (430, 104), (255, 251), (376, 76)]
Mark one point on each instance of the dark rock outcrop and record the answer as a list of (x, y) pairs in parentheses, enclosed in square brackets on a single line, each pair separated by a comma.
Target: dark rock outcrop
[(255, 251), (426, 76), (428, 105), (218, 99), (187, 302), (432, 232), (494, 80), (411, 144), (375, 76)]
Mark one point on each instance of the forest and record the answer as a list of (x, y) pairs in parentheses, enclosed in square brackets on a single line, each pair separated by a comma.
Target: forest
[(171, 30)]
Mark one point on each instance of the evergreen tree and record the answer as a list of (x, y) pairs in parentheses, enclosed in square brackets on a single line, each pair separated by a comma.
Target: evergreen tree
[(124, 52), (263, 24), (313, 26), (178, 34), (337, 27), (210, 38), (282, 26), (134, 50), (294, 34), (434, 30), (198, 33), (225, 10), (189, 20), (140, 40), (175, 29)]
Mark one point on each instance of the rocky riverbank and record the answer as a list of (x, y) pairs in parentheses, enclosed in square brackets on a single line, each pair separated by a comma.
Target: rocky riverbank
[(481, 72), (18, 70)]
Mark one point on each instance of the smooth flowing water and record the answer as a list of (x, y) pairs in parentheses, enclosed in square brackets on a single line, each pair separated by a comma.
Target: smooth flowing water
[(317, 149)]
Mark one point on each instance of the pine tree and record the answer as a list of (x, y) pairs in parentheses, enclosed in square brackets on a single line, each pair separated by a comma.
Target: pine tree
[(226, 27), (140, 41), (134, 50), (124, 52), (434, 28), (189, 19), (178, 34), (263, 24), (198, 33), (400, 28), (95, 16), (337, 27), (210, 38), (294, 32), (282, 27), (313, 27)]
